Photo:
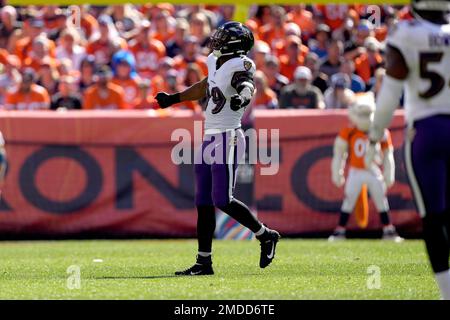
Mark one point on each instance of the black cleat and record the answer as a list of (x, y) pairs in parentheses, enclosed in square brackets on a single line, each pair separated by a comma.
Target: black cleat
[(268, 242), (202, 267)]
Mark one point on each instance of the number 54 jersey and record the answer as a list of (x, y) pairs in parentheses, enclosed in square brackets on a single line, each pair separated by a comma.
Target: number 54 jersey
[(426, 49), (222, 84)]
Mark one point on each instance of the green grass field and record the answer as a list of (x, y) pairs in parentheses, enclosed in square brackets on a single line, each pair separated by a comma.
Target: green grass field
[(142, 269)]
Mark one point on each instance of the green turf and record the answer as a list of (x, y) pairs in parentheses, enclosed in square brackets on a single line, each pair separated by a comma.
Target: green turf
[(142, 269)]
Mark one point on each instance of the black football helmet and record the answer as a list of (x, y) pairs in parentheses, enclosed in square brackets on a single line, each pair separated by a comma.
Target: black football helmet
[(432, 10), (232, 38)]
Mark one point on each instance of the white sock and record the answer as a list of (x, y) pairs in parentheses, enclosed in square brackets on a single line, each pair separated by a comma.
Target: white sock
[(443, 280), (261, 231), (204, 254)]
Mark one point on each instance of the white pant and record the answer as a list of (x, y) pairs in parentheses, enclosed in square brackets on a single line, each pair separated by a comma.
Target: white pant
[(375, 184)]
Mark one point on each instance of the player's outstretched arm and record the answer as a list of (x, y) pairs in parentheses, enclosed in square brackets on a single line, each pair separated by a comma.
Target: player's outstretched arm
[(388, 99), (391, 90), (195, 92)]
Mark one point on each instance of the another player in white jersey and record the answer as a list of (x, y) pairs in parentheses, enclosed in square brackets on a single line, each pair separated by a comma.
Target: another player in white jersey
[(418, 62), (229, 88)]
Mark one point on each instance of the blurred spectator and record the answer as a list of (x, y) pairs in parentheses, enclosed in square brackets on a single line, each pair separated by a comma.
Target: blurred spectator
[(39, 55), (319, 45), (34, 29), (356, 45), (84, 21), (175, 46), (54, 20), (158, 82), (370, 60), (104, 43), (28, 95), (174, 86), (200, 28), (191, 54), (87, 72), (145, 98), (334, 58), (263, 15), (275, 79), (320, 79), (147, 51), (69, 48), (274, 31), (264, 98), (67, 97), (125, 77), (104, 95), (163, 27), (301, 94), (8, 24), (339, 96), (192, 76), (260, 52), (10, 75), (226, 13), (48, 77), (357, 84), (304, 19), (295, 56), (332, 14), (126, 19)]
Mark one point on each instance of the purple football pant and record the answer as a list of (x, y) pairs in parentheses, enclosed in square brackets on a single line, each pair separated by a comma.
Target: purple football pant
[(427, 159), (216, 164)]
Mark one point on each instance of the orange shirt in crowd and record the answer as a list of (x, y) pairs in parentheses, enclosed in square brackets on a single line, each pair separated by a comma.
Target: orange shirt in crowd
[(88, 24), (333, 14), (157, 84), (357, 141), (164, 37), (102, 50), (131, 91), (36, 64), (271, 34), (288, 66), (304, 19), (264, 99), (363, 68), (280, 49), (114, 98), (147, 58), (181, 64), (24, 46), (36, 99), (3, 56)]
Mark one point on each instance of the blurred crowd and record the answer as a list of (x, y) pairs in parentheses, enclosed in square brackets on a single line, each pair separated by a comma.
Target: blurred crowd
[(120, 56)]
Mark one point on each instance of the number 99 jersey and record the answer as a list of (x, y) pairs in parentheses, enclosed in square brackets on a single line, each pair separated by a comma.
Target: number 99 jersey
[(222, 84), (426, 49)]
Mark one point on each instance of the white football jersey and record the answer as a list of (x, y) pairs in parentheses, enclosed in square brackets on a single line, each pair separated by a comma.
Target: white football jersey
[(218, 114), (426, 49)]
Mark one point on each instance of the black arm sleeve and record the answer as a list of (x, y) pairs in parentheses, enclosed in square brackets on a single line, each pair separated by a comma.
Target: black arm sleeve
[(240, 78)]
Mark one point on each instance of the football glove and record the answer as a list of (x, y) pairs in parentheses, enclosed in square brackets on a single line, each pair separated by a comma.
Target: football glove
[(166, 100), (236, 102)]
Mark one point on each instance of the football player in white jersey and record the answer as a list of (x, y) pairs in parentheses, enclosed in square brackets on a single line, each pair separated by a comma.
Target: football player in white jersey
[(229, 88), (418, 62)]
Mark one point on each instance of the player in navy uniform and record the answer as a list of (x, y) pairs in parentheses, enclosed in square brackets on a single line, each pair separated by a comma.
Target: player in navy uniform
[(418, 61), (229, 88)]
